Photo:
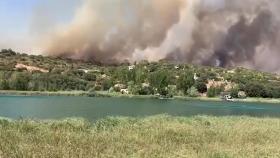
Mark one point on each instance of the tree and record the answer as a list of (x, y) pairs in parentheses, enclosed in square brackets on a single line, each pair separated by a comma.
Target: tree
[(267, 92), (159, 79), (254, 89), (163, 91), (4, 82), (19, 81), (234, 92), (193, 92), (8, 52), (4, 85), (211, 92), (122, 75), (201, 87), (90, 76), (139, 75), (106, 84), (276, 92), (185, 82), (145, 91)]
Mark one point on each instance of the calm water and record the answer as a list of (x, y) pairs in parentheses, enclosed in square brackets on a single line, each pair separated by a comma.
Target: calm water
[(95, 108)]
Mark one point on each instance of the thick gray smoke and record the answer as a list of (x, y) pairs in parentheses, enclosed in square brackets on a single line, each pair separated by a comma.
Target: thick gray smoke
[(210, 32)]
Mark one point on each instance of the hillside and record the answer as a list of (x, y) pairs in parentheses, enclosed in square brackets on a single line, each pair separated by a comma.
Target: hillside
[(38, 73)]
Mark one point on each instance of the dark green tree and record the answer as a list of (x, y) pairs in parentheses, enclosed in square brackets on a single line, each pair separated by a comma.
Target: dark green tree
[(19, 81), (201, 87), (212, 92), (4, 85), (254, 89), (90, 76), (185, 81), (106, 84), (159, 79), (234, 92)]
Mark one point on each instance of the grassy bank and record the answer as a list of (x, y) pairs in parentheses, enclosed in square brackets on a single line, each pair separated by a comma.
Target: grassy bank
[(260, 100), (119, 95), (158, 136), (247, 100)]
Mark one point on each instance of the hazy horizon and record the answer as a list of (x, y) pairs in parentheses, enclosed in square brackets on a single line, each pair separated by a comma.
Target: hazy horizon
[(24, 20)]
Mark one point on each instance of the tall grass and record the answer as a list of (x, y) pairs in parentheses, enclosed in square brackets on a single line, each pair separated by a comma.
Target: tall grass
[(157, 136)]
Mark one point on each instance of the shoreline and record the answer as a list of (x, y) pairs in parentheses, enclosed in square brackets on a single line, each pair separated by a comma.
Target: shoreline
[(117, 95)]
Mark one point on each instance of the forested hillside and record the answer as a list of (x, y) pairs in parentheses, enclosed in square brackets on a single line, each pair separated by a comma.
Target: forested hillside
[(37, 73)]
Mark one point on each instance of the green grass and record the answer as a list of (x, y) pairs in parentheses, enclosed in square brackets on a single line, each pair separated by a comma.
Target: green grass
[(119, 95), (261, 100), (157, 136)]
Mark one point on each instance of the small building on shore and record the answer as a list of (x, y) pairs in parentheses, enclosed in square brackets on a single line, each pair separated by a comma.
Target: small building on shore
[(131, 67), (124, 91)]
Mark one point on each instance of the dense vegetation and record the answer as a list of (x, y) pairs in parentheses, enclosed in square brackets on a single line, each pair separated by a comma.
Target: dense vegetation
[(144, 78), (158, 136)]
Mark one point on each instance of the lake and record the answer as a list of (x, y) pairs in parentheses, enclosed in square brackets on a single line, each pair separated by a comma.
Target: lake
[(41, 107)]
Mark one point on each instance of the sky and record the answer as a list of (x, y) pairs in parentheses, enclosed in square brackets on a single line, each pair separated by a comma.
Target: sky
[(22, 20)]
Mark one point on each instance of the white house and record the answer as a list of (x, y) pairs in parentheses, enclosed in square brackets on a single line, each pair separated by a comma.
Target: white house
[(231, 71), (131, 67), (195, 77), (84, 70), (124, 91)]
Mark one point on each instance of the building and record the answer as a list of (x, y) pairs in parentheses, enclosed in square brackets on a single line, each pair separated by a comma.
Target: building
[(195, 77), (131, 67), (124, 91)]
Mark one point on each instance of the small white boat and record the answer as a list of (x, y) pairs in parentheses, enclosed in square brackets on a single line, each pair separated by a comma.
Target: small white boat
[(228, 98), (161, 97)]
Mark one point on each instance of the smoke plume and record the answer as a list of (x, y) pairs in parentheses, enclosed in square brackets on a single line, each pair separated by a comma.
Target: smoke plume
[(209, 32)]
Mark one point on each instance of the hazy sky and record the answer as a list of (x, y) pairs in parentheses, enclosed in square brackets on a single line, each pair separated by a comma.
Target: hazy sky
[(209, 32), (23, 19)]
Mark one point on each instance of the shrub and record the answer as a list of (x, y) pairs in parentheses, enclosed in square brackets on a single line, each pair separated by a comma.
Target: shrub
[(185, 82), (4, 85), (145, 91), (276, 92), (90, 76), (254, 89), (214, 91), (163, 91), (19, 81), (193, 92), (201, 87), (98, 88), (242, 94), (211, 92), (234, 92), (106, 84)]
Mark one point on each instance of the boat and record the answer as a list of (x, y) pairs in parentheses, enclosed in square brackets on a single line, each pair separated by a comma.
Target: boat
[(228, 98), (163, 97)]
